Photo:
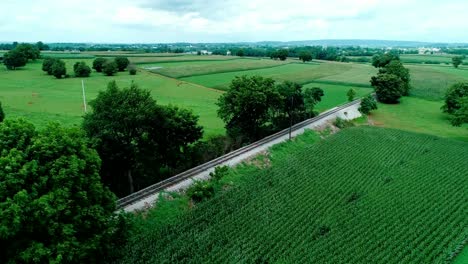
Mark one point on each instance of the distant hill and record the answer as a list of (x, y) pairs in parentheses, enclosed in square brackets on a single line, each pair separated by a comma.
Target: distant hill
[(361, 42)]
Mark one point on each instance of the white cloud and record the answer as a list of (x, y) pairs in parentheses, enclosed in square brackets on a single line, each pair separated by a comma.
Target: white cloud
[(231, 20)]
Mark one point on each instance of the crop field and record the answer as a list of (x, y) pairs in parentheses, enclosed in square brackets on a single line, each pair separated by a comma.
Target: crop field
[(177, 58), (359, 196), (429, 59), (31, 93), (184, 69), (299, 72), (431, 82)]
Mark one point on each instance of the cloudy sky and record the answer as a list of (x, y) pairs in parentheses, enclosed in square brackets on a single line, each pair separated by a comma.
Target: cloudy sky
[(151, 21)]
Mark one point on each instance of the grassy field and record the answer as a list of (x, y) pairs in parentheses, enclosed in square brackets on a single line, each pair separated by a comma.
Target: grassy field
[(335, 94), (184, 58), (31, 93), (418, 115), (359, 196), (194, 68)]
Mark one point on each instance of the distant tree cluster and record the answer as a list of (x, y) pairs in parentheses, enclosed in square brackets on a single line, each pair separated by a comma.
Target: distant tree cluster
[(255, 106), (456, 103), (281, 54), (20, 55), (457, 61), (111, 67), (54, 67), (393, 79)]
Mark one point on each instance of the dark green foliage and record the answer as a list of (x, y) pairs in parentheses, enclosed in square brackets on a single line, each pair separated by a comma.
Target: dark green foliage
[(240, 53), (338, 200), (41, 46), (281, 54), (368, 104), (98, 64), (456, 61), (388, 87), (58, 69), (31, 52), (460, 116), (255, 106), (200, 190), (305, 56), (219, 173), (54, 209), (47, 64), (122, 63), (81, 69), (381, 60), (245, 107), (395, 67), (453, 96), (14, 59), (351, 94), (110, 68), (132, 70), (136, 138), (2, 114), (342, 123)]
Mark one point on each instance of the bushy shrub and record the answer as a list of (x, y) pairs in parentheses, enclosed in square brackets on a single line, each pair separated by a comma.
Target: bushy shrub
[(132, 69), (342, 123), (388, 87), (219, 173), (368, 104), (200, 190)]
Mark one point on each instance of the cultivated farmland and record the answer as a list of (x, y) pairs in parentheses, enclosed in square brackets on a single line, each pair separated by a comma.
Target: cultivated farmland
[(364, 195)]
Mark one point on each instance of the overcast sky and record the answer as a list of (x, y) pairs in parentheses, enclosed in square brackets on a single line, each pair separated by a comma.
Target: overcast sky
[(158, 21)]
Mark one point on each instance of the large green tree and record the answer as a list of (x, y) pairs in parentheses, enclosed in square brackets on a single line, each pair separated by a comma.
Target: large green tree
[(381, 60), (14, 59), (58, 69), (98, 64), (47, 64), (245, 107), (396, 67), (110, 68), (456, 61), (81, 69), (388, 87), (460, 116), (31, 52), (368, 104), (453, 96), (136, 138), (305, 56), (122, 63), (53, 207)]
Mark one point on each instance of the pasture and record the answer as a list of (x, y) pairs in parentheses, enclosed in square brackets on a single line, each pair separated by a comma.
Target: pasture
[(31, 93), (359, 196)]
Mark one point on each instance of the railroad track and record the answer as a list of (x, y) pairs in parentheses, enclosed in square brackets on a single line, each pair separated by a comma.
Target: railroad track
[(162, 185)]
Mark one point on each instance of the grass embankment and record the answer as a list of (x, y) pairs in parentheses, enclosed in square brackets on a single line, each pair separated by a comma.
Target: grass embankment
[(363, 195)]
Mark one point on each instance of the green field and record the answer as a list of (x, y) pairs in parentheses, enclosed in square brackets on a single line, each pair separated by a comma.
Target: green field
[(335, 94), (418, 115), (184, 69), (297, 72), (432, 59), (31, 93), (364, 195)]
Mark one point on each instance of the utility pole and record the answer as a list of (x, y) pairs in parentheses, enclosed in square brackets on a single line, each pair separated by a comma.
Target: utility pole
[(84, 95)]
